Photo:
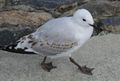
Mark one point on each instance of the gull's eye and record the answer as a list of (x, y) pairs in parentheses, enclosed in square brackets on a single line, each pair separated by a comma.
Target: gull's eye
[(84, 19)]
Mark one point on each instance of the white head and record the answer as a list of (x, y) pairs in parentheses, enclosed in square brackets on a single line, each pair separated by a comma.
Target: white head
[(83, 17)]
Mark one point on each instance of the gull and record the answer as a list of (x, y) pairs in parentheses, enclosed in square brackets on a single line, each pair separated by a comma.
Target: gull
[(58, 38)]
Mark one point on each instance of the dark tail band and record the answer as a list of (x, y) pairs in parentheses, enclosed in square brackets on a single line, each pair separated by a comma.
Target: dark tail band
[(11, 48)]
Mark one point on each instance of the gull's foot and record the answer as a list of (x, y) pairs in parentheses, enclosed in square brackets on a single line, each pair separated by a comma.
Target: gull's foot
[(47, 66), (86, 70)]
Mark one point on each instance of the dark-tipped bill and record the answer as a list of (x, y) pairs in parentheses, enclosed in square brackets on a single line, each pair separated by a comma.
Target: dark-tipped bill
[(94, 26)]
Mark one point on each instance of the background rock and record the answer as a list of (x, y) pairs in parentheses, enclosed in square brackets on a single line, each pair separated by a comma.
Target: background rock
[(2, 4), (18, 17), (55, 7), (111, 24), (101, 9), (38, 4), (12, 34), (81, 2)]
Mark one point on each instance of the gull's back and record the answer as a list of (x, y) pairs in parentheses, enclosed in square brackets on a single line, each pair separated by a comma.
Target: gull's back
[(60, 28)]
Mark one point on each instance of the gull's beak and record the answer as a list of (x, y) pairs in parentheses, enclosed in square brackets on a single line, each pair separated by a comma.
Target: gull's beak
[(97, 28), (93, 26)]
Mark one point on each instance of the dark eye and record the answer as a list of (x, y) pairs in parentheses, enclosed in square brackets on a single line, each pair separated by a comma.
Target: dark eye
[(84, 19)]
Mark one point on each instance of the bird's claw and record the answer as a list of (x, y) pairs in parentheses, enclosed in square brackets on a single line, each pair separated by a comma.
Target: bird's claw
[(48, 66), (84, 69)]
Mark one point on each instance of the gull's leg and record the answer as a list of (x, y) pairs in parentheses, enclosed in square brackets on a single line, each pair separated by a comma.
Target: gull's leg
[(47, 66), (83, 69)]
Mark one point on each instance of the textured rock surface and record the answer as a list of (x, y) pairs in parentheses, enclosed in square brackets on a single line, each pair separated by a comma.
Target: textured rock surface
[(39, 4), (101, 9), (55, 7), (2, 4), (80, 2), (18, 17), (98, 8), (111, 24), (12, 34), (99, 52), (58, 7)]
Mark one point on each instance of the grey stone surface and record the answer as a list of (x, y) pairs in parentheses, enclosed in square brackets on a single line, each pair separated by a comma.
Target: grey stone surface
[(101, 9), (9, 36), (2, 4), (40, 4), (111, 24), (19, 17), (100, 52)]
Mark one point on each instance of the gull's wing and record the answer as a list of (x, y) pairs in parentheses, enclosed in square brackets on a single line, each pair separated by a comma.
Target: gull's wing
[(52, 38), (53, 47), (47, 43), (56, 36)]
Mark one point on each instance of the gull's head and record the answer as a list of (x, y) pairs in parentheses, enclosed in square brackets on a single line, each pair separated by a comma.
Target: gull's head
[(83, 17)]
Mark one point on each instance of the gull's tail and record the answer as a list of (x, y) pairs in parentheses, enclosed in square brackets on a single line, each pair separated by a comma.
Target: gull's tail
[(11, 48)]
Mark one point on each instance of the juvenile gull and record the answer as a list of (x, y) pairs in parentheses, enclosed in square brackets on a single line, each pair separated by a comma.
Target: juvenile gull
[(58, 37)]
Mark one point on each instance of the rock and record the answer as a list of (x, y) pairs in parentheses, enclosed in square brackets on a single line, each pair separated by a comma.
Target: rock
[(19, 17), (111, 24), (101, 9), (41, 4), (63, 9), (113, 0), (55, 7), (103, 33), (12, 34), (2, 4), (81, 2)]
